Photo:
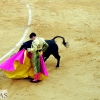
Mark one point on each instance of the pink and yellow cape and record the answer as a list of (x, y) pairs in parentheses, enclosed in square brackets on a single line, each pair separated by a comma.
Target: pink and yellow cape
[(19, 66)]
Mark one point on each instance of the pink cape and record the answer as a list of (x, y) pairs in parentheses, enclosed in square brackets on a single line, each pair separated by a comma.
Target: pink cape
[(8, 65), (43, 66)]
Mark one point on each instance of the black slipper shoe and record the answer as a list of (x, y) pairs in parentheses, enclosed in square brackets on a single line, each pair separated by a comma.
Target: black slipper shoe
[(33, 81)]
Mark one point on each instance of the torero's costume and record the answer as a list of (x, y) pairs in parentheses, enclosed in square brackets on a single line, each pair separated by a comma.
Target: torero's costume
[(38, 45)]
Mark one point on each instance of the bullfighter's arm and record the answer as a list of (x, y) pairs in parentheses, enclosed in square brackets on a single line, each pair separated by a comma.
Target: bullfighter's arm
[(33, 48), (45, 46)]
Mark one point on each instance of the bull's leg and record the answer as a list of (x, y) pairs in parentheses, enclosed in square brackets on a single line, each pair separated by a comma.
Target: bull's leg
[(45, 57), (56, 55)]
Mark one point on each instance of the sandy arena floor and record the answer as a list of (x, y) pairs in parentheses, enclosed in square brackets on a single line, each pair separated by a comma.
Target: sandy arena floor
[(78, 21)]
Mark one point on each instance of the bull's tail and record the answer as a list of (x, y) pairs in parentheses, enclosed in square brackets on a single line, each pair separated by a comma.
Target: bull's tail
[(64, 42)]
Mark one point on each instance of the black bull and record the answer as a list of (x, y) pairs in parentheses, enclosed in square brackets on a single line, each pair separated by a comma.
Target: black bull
[(52, 49)]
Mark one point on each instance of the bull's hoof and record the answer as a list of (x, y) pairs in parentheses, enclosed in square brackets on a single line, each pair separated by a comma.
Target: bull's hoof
[(57, 67)]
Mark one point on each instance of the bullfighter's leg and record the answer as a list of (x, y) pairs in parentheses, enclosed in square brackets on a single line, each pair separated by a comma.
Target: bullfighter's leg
[(36, 65)]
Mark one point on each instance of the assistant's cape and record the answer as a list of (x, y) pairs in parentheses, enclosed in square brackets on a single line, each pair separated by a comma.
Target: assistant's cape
[(19, 66)]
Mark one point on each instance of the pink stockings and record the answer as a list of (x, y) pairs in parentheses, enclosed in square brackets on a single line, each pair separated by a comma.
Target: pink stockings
[(36, 77)]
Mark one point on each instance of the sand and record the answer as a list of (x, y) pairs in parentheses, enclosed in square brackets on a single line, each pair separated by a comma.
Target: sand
[(78, 21)]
